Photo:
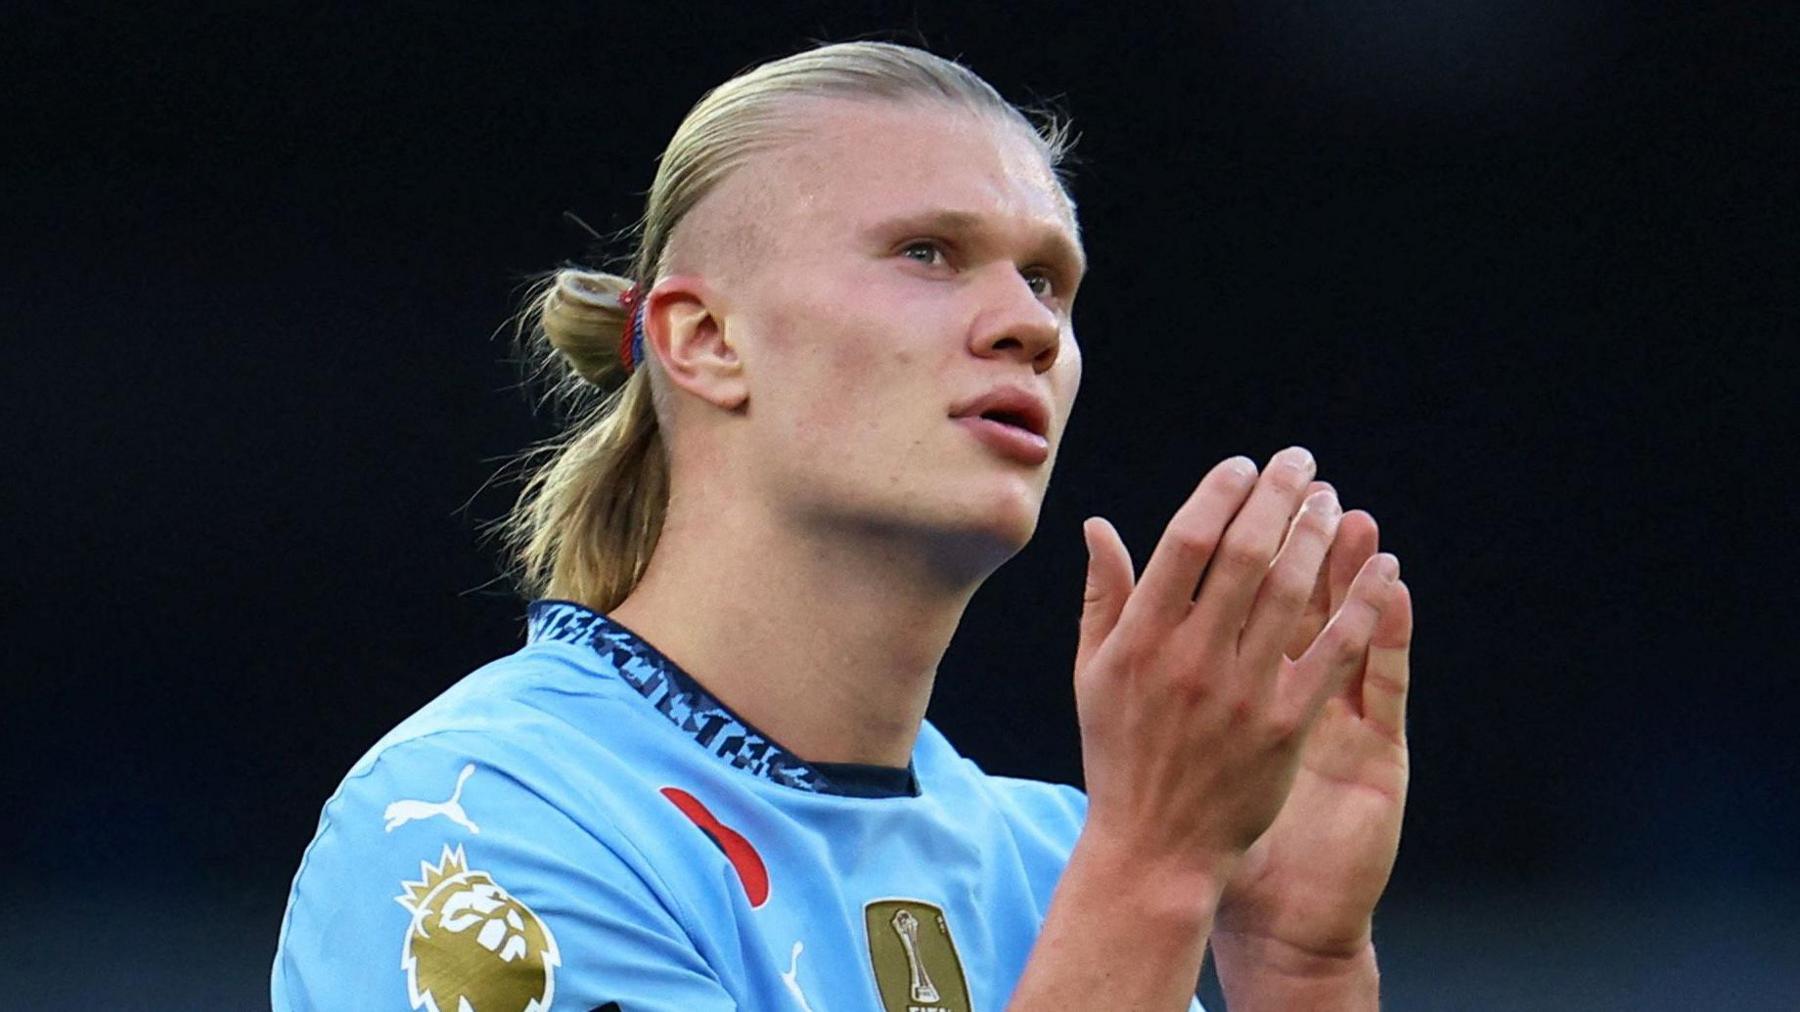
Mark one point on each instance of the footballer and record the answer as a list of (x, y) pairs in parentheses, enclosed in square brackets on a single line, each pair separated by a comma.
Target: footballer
[(824, 401)]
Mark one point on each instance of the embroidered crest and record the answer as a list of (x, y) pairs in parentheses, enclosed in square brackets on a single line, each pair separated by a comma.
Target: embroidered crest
[(471, 945), (914, 957)]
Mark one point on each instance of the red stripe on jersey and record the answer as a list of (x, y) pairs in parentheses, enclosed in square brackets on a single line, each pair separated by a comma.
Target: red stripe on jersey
[(743, 857)]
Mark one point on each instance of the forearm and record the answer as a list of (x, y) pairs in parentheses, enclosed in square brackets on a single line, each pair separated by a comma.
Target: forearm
[(1261, 973), (1121, 933)]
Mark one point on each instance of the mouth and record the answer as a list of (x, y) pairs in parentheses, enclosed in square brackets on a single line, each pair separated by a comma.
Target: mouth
[(1016, 419), (1010, 420), (1010, 405), (1013, 441)]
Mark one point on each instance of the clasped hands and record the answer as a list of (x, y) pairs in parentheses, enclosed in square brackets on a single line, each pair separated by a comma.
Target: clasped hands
[(1242, 712)]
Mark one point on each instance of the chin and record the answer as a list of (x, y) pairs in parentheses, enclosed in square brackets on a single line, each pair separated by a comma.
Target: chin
[(966, 534), (1001, 522), (965, 555)]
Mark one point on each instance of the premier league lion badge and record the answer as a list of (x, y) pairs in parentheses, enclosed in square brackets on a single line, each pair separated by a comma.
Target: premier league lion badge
[(472, 946)]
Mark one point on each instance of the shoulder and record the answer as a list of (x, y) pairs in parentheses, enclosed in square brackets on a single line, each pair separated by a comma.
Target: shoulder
[(485, 832), (528, 750)]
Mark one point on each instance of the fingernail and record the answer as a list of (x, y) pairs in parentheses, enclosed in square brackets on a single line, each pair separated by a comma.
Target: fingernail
[(1387, 567), (1299, 458), (1244, 466)]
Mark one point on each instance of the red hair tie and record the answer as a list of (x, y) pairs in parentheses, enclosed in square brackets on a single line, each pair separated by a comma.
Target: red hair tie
[(631, 338)]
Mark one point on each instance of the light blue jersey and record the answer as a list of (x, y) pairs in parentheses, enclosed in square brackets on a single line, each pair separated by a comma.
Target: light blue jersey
[(581, 825)]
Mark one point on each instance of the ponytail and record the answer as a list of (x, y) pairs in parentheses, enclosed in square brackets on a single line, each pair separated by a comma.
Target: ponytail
[(587, 521)]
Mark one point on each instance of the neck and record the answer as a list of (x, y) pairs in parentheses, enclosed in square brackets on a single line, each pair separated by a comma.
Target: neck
[(827, 640)]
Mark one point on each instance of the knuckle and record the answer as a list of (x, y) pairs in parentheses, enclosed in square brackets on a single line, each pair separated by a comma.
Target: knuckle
[(1361, 612), (1283, 724), (1241, 556), (1144, 661), (1192, 542), (1342, 648), (1134, 656), (1245, 713), (1383, 682), (1190, 689), (1289, 589)]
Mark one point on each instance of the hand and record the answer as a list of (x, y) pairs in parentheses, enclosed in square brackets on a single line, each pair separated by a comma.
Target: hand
[(1309, 885), (1192, 718)]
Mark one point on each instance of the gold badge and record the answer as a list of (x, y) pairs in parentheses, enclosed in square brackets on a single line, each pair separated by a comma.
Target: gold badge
[(471, 946), (916, 965)]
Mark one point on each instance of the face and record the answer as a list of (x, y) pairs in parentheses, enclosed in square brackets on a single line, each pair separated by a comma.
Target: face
[(899, 265)]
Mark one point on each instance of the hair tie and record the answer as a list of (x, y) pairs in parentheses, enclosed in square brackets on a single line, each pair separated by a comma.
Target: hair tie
[(631, 338)]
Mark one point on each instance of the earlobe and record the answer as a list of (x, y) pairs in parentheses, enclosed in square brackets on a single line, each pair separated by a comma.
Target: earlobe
[(685, 328)]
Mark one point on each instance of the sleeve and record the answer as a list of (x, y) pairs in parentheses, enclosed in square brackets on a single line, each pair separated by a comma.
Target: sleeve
[(441, 881)]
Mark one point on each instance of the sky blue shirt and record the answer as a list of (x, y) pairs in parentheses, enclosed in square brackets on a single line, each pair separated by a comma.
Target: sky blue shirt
[(581, 824)]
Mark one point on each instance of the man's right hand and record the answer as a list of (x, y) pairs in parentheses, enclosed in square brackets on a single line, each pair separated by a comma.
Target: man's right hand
[(1192, 720), (1191, 716)]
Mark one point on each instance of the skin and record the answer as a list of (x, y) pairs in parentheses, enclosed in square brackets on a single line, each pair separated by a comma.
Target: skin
[(813, 375), (824, 311)]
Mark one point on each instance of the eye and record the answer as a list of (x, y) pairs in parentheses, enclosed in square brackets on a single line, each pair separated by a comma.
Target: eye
[(1042, 284), (926, 251)]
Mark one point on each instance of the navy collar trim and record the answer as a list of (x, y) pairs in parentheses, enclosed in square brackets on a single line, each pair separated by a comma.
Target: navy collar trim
[(702, 716)]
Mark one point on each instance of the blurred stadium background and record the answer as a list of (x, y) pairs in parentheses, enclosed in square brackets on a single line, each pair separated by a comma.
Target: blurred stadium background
[(1520, 273)]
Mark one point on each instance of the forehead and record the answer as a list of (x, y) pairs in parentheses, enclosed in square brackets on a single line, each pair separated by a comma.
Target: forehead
[(851, 163)]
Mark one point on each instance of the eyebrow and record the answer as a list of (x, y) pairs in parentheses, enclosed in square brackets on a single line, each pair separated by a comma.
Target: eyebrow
[(1050, 245)]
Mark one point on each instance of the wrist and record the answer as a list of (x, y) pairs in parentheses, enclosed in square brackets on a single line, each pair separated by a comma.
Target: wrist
[(1259, 971), (1177, 891), (1125, 929)]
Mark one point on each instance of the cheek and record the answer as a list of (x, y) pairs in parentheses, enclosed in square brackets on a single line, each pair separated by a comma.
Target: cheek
[(1065, 380), (853, 395), (841, 374)]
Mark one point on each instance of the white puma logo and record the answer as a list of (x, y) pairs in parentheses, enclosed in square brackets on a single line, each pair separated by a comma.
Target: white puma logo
[(404, 811), (792, 978)]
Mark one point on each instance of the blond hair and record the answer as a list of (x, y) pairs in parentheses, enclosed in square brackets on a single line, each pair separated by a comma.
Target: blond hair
[(593, 503)]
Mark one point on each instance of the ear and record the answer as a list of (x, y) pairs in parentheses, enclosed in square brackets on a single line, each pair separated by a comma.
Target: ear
[(684, 327)]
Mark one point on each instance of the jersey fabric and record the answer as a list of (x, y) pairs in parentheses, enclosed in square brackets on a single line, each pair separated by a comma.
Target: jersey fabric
[(581, 825)]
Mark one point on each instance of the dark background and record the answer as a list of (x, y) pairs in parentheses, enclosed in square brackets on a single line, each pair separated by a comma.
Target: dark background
[(1520, 273)]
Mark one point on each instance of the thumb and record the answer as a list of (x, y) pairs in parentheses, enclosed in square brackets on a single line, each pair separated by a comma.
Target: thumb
[(1109, 582)]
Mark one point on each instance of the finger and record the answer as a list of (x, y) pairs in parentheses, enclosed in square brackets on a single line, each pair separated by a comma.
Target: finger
[(1165, 594), (1288, 588), (1242, 561), (1387, 674), (1337, 655), (1318, 607), (1358, 539), (1109, 581)]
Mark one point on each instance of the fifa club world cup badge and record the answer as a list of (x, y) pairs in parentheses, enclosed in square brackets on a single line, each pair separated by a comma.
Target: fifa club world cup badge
[(472, 946), (916, 965)]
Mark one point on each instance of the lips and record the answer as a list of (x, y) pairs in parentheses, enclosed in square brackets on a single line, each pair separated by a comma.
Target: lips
[(1011, 406), (1009, 420), (1010, 441)]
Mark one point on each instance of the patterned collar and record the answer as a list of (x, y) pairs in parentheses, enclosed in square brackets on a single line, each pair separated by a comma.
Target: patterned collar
[(698, 713)]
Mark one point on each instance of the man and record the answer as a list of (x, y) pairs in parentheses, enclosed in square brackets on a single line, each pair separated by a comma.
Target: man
[(849, 359)]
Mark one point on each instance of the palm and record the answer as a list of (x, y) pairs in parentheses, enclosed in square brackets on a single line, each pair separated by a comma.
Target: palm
[(1313, 878)]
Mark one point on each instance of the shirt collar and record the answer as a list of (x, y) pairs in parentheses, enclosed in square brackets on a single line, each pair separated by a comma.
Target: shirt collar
[(694, 711)]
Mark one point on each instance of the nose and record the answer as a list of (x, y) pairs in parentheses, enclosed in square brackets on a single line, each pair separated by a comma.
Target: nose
[(1015, 323)]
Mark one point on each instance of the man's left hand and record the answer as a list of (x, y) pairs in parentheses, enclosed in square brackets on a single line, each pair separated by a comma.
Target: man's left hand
[(1305, 892)]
